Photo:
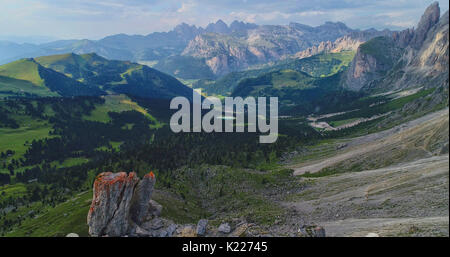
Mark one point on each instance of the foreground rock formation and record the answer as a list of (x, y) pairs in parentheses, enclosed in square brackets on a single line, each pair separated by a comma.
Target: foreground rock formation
[(122, 206), (120, 203)]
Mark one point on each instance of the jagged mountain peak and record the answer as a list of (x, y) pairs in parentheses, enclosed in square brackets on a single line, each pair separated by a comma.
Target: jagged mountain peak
[(184, 27), (410, 58), (221, 23), (219, 27), (242, 26), (428, 20)]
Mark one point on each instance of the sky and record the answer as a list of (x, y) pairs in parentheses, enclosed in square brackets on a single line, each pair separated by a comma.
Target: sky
[(92, 19)]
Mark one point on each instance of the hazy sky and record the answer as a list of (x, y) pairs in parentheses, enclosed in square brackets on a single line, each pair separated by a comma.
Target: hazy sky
[(95, 19)]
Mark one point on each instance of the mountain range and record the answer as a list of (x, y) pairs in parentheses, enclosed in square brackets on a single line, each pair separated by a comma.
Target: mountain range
[(218, 47), (87, 74), (299, 63), (409, 59)]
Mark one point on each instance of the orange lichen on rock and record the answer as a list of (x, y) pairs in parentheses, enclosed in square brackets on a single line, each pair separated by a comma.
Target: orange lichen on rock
[(150, 175), (105, 180), (120, 202)]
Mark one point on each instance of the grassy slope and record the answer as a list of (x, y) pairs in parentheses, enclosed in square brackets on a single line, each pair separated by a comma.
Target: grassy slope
[(388, 106), (11, 86), (24, 69), (21, 77), (13, 191), (119, 103), (118, 76), (43, 78), (65, 218), (14, 139)]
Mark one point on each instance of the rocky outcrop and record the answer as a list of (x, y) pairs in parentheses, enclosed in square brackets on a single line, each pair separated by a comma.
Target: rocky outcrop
[(241, 45), (122, 207), (428, 20), (140, 203), (219, 27), (348, 42), (371, 62), (109, 213), (410, 58), (425, 60), (120, 203)]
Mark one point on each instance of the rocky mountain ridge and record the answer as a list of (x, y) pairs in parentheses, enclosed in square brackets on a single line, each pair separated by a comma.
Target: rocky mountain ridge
[(225, 47), (411, 58), (88, 74), (348, 42), (262, 44)]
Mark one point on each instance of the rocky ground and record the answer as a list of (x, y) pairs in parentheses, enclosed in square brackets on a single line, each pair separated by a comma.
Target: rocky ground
[(408, 195), (390, 183)]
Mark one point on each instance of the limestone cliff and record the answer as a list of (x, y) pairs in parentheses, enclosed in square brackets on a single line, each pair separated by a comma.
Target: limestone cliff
[(237, 49), (410, 58), (348, 42)]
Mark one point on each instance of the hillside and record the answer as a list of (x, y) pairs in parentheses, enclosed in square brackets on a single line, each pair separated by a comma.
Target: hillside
[(320, 65), (393, 183), (411, 58), (225, 53), (88, 74), (42, 79), (185, 67)]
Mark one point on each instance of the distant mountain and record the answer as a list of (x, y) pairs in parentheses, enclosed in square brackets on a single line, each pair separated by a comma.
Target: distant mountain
[(411, 58), (89, 74), (319, 65), (153, 46), (185, 67), (27, 39), (301, 85), (10, 51), (231, 51), (297, 91), (221, 47), (348, 42)]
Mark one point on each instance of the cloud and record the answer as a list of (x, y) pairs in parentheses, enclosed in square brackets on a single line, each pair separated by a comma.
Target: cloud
[(186, 7)]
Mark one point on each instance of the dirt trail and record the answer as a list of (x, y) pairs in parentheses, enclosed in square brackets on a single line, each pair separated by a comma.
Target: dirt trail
[(427, 226), (406, 192), (387, 201), (372, 142)]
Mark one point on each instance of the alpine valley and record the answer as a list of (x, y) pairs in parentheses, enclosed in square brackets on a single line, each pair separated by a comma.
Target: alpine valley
[(86, 147)]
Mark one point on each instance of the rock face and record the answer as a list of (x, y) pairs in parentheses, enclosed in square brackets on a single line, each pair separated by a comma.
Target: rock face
[(241, 45), (372, 60), (119, 204), (428, 20), (410, 58), (140, 203), (348, 42), (122, 206)]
